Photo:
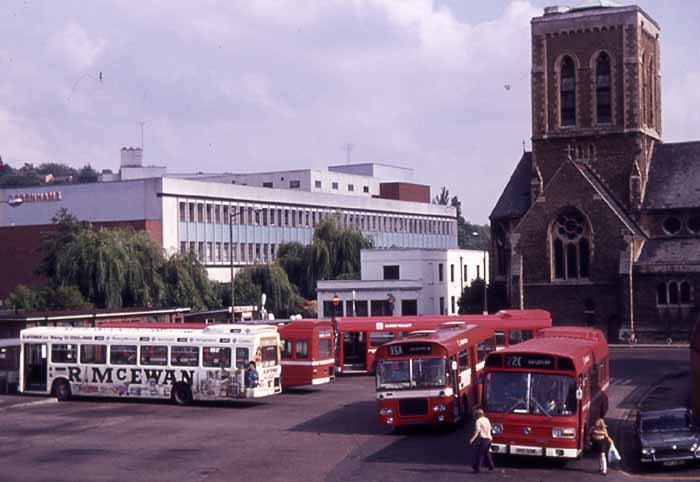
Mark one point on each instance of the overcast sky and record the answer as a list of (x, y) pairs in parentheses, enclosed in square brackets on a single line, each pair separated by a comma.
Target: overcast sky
[(254, 85)]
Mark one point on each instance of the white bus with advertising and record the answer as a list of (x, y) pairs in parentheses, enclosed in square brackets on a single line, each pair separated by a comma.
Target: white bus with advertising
[(219, 362)]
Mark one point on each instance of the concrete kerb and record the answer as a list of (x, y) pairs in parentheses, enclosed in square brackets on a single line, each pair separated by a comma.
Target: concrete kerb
[(648, 345)]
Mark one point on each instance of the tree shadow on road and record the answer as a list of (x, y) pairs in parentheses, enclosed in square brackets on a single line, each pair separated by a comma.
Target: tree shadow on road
[(354, 418)]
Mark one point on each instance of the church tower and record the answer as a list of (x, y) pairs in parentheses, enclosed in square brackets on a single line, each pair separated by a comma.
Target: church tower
[(596, 95)]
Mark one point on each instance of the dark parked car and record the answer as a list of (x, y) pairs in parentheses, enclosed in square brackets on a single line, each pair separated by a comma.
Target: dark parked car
[(668, 437)]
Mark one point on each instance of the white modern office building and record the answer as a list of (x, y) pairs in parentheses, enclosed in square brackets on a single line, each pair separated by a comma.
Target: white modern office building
[(197, 212), (405, 281)]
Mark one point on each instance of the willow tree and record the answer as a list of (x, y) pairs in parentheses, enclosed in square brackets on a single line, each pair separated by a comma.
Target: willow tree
[(187, 283), (282, 296)]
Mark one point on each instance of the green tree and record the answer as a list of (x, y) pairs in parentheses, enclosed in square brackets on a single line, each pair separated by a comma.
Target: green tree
[(443, 198), (86, 174), (334, 253), (282, 296), (24, 298), (187, 283)]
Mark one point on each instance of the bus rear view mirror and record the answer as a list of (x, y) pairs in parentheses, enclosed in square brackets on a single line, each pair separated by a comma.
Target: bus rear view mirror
[(579, 394), (454, 365)]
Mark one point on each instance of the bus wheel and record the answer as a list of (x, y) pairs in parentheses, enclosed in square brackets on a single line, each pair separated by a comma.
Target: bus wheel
[(181, 394), (61, 389)]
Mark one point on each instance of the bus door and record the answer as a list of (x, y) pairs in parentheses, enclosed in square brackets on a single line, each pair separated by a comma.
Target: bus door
[(454, 373), (35, 366), (354, 351)]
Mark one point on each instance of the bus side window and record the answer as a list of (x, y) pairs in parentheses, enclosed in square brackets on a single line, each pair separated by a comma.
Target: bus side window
[(302, 349), (184, 356), (463, 360), (64, 353), (518, 336), (242, 358), (93, 354), (287, 348), (500, 338), (122, 354), (216, 357), (155, 355)]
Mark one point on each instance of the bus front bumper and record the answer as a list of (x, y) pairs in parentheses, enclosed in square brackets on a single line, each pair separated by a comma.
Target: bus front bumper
[(527, 450)]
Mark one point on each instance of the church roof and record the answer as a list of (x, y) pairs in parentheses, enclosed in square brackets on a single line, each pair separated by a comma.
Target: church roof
[(596, 4), (670, 253), (674, 177), (515, 199), (609, 199)]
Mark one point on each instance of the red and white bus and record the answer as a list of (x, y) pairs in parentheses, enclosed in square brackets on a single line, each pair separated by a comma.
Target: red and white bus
[(307, 352), (359, 337), (430, 378), (307, 347), (543, 394)]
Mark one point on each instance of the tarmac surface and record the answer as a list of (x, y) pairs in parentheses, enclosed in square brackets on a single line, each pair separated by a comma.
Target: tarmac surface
[(324, 434)]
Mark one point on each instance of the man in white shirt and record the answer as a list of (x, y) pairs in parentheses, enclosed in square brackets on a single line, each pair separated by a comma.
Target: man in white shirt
[(482, 436)]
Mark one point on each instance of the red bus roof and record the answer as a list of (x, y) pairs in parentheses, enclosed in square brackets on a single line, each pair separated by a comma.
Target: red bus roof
[(504, 318), (301, 326), (569, 342), (450, 338)]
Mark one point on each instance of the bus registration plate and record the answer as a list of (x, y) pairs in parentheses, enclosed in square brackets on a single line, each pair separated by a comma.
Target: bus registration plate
[(525, 451)]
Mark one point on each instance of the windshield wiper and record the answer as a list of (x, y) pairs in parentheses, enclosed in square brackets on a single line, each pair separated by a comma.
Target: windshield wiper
[(517, 403), (540, 407)]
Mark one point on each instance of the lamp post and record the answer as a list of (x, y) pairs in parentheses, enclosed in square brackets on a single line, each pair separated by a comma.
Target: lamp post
[(486, 305), (232, 216)]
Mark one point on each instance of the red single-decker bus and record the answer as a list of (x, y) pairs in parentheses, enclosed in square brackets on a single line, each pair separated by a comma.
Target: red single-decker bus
[(307, 352), (359, 337), (431, 377), (543, 394)]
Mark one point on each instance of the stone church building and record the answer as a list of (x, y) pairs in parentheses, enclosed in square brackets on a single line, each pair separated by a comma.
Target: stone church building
[(600, 223)]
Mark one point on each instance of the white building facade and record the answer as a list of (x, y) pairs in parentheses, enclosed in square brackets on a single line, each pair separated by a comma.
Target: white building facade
[(405, 281), (198, 215)]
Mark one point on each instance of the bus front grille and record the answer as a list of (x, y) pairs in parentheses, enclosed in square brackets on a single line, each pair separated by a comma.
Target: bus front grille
[(413, 406)]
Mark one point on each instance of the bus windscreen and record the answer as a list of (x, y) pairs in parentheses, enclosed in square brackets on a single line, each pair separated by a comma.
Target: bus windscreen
[(530, 393), (413, 373)]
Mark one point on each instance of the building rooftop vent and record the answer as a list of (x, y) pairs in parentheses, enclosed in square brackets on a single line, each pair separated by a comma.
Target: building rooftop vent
[(588, 4), (132, 157), (556, 9)]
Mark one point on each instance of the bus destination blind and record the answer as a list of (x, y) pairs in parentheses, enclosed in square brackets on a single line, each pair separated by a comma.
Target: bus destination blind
[(411, 349), (541, 362)]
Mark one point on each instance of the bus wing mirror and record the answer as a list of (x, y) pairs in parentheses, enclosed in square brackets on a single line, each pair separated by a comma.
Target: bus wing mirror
[(579, 393), (454, 365), (43, 351)]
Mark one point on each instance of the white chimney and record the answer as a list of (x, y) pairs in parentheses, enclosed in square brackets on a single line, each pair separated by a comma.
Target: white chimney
[(132, 157)]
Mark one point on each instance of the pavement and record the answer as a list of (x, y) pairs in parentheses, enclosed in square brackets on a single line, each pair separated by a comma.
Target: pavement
[(326, 434)]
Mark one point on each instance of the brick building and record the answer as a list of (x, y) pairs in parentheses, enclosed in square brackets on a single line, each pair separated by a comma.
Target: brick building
[(600, 223)]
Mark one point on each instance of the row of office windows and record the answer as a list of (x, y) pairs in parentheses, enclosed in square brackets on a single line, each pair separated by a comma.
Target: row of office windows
[(296, 184), (218, 252), (393, 272), (198, 212)]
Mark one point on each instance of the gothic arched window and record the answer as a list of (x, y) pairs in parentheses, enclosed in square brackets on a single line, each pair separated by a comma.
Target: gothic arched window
[(602, 90), (567, 90), (571, 246)]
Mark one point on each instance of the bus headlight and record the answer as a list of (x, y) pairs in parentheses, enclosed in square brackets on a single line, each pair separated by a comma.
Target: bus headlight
[(440, 407), (567, 432), (386, 411), (648, 451), (497, 429), (694, 447)]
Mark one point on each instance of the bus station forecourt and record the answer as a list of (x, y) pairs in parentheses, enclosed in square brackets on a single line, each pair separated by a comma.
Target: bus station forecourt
[(448, 367)]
